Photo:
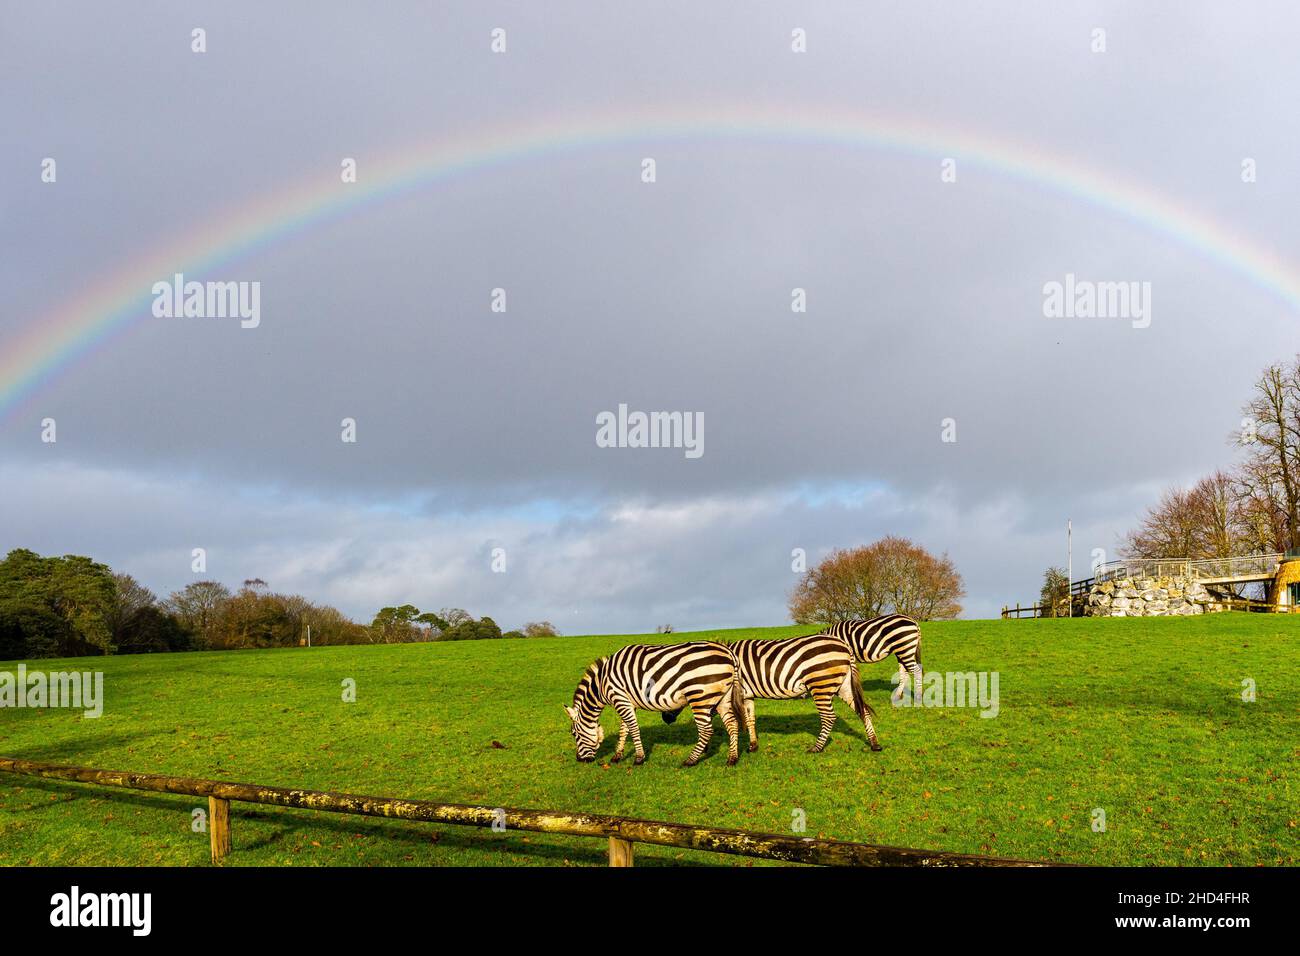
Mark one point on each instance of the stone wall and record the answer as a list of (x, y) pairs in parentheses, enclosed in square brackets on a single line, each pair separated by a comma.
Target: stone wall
[(1149, 597)]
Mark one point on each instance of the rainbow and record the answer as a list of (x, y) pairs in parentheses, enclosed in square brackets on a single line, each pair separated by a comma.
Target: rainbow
[(59, 340)]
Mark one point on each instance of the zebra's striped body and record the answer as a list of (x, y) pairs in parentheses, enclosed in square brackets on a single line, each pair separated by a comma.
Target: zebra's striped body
[(819, 665), (699, 674), (876, 639)]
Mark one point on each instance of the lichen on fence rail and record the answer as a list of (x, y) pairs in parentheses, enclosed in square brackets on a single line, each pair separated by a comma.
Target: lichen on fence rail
[(621, 830)]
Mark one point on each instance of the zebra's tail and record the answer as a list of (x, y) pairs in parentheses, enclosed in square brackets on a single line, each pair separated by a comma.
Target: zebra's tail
[(737, 687), (859, 702), (738, 695)]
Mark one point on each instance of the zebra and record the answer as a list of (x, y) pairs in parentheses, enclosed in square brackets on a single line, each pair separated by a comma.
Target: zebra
[(701, 675), (818, 664), (876, 639)]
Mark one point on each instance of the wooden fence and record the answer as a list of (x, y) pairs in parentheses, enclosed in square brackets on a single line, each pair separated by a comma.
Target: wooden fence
[(622, 832), (1033, 610)]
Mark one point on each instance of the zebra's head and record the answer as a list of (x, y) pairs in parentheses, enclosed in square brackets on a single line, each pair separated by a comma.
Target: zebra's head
[(584, 715), (587, 733)]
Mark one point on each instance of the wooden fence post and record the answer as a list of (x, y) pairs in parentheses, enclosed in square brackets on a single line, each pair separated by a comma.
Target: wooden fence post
[(219, 827), (620, 852)]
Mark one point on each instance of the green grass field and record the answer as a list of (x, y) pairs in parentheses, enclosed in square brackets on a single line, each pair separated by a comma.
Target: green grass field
[(1141, 718)]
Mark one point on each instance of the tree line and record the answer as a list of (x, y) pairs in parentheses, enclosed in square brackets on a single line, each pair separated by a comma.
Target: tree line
[(73, 606)]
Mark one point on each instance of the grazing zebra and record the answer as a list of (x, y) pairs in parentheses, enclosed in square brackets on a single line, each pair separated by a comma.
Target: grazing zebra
[(699, 674), (818, 665), (876, 639)]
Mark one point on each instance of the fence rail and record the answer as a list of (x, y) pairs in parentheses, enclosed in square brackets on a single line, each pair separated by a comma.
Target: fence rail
[(1033, 610), (622, 832)]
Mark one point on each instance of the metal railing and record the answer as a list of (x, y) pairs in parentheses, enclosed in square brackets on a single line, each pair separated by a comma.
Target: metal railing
[(1242, 566)]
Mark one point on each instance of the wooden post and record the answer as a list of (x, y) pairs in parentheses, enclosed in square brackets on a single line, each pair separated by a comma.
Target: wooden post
[(620, 852), (219, 827)]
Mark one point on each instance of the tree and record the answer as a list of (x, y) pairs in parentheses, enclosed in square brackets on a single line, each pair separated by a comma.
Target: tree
[(32, 629), (1209, 520), (1269, 478), (454, 616), (891, 575), (76, 590), (252, 619), (1055, 593), (198, 606), (132, 599), (472, 630), (396, 625), (433, 622), (540, 629)]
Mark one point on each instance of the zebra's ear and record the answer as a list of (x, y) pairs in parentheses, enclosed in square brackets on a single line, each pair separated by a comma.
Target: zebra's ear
[(572, 712)]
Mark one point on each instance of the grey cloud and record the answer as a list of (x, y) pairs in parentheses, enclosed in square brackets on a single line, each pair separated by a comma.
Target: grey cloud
[(924, 298)]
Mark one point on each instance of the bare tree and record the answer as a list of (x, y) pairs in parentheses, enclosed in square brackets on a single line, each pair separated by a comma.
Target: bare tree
[(1209, 520), (198, 606), (1270, 476)]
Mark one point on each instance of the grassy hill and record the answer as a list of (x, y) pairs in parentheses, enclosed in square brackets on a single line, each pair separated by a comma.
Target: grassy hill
[(1140, 718)]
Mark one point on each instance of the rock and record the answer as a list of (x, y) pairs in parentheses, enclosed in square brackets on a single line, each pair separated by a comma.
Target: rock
[(1149, 597)]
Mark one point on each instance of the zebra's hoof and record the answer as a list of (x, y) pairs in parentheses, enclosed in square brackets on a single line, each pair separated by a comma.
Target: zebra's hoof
[(815, 750), (638, 761), (877, 747), (753, 745), (731, 761), (615, 758), (689, 763)]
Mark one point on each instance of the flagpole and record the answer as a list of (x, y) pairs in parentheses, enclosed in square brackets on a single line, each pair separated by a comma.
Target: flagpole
[(1069, 567)]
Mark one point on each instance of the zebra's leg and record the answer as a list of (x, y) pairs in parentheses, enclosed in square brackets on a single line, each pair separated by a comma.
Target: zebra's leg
[(902, 683), (731, 724), (622, 740), (826, 710), (704, 726), (749, 724), (852, 696), (628, 725)]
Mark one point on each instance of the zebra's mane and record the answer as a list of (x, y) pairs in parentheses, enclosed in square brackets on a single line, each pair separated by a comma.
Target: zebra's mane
[(589, 686)]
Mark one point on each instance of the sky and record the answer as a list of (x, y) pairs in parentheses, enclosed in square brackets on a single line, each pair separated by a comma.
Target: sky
[(476, 430)]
